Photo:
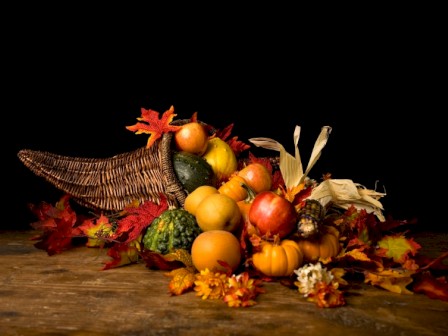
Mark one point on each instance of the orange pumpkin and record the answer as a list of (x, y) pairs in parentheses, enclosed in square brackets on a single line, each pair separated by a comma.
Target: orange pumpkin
[(244, 206), (278, 259), (323, 246), (234, 188)]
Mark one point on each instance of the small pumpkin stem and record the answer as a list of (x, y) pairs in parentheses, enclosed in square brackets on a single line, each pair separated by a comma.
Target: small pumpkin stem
[(276, 239), (250, 193)]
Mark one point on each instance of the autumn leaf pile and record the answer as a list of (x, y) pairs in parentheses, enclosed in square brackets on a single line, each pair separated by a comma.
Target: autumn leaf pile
[(379, 253)]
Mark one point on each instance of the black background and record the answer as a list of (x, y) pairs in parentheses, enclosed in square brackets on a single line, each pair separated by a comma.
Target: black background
[(380, 91)]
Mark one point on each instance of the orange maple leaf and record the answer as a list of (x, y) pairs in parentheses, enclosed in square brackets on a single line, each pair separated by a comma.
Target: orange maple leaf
[(155, 127), (182, 280)]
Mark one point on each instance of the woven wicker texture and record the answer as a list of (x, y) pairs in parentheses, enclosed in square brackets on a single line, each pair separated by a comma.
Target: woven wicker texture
[(111, 184), (115, 182)]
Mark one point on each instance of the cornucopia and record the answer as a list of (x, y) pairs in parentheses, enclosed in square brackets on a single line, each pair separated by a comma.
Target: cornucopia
[(313, 236)]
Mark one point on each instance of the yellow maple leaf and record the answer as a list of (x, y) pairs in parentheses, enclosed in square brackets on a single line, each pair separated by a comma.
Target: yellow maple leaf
[(392, 280), (397, 247), (182, 280)]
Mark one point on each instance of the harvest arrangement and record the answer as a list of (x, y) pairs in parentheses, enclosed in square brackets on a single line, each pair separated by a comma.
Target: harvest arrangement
[(219, 221)]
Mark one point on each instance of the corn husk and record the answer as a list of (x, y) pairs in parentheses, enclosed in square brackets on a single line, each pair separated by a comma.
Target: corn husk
[(291, 166), (343, 193)]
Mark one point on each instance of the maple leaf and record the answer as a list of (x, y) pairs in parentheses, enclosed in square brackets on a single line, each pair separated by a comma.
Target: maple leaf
[(360, 258), (155, 260), (224, 133), (123, 254), (434, 288), (236, 145), (390, 223), (155, 127), (181, 255), (57, 224), (359, 226), (138, 218), (397, 247), (182, 280), (97, 231), (277, 180), (263, 161), (392, 280)]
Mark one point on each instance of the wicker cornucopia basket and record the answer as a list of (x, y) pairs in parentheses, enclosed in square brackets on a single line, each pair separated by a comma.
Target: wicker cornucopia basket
[(112, 183)]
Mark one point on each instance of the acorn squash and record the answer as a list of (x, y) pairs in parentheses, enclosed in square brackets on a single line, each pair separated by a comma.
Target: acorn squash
[(192, 170)]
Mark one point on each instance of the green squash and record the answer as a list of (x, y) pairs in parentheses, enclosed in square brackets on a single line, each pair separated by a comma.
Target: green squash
[(192, 171), (173, 229)]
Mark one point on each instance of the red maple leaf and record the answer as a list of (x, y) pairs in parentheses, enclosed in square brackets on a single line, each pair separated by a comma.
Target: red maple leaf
[(57, 224), (265, 161), (138, 218), (224, 133), (155, 127), (237, 146)]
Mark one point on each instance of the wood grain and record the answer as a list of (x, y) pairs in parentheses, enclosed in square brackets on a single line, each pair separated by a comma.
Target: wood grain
[(69, 294)]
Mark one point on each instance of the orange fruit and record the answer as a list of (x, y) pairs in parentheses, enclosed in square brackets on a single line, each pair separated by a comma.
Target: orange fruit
[(218, 212), (212, 246), (192, 138), (196, 196)]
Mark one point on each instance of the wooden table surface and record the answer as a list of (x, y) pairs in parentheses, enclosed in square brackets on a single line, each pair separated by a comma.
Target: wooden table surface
[(69, 294)]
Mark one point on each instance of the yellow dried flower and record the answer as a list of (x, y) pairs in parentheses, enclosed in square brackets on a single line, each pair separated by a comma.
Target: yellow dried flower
[(210, 285)]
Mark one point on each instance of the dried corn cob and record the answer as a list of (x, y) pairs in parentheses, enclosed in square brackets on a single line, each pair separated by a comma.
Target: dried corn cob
[(310, 218)]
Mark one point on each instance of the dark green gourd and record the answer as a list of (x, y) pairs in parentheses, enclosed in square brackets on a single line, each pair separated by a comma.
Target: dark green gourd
[(192, 170), (173, 229)]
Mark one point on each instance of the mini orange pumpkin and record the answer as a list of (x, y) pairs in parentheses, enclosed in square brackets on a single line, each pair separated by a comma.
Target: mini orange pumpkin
[(323, 246), (278, 259), (234, 188)]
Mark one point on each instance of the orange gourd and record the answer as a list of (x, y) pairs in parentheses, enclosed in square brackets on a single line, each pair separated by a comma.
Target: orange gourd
[(323, 246), (234, 188), (278, 259)]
